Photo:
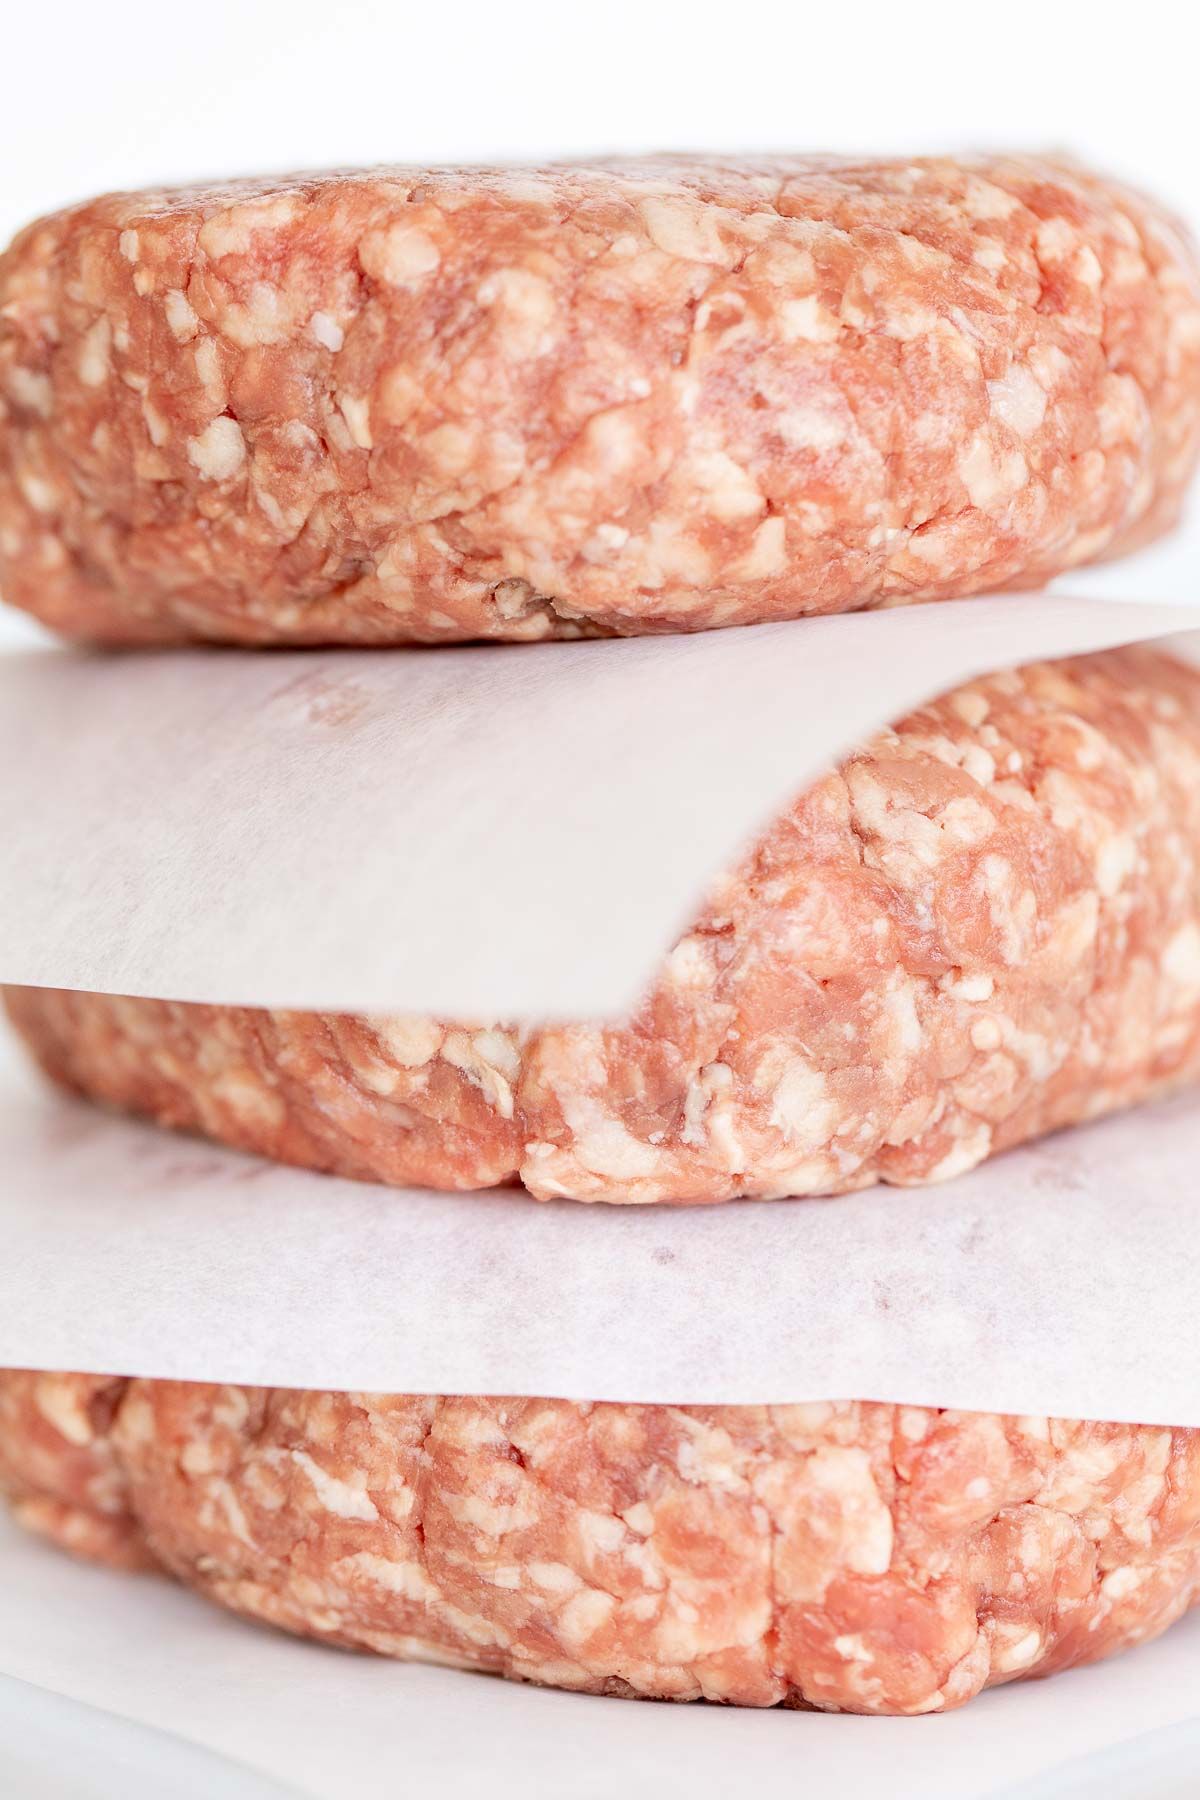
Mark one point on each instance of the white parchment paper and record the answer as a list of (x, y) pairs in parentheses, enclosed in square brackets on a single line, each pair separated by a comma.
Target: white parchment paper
[(1060, 1279), (328, 1725), (512, 832)]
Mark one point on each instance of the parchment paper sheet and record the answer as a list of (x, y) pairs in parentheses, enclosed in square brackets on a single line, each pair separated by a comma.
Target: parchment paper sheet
[(331, 1726), (1059, 1279), (477, 832)]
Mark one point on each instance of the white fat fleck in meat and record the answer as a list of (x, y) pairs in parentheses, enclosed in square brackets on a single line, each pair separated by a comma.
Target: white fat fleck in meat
[(805, 319), (31, 388), (401, 255), (990, 473), (409, 1041), (968, 1151), (555, 1577), (219, 451), (327, 331), (181, 316), (208, 370), (1116, 859), (1018, 400), (356, 411), (801, 1106), (968, 987), (65, 1408), (345, 1499), (1122, 1581), (494, 1517), (605, 1146), (1181, 962), (730, 491), (767, 554), (406, 1579), (680, 229), (94, 362), (39, 493), (1011, 905), (490, 1062)]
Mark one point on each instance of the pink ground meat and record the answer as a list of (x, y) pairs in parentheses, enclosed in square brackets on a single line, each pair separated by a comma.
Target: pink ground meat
[(427, 405), (847, 1556)]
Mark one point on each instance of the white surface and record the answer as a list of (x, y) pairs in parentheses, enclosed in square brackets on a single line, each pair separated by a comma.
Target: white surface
[(481, 833), (1057, 1279), (53, 1748), (334, 1725), (1158, 1765)]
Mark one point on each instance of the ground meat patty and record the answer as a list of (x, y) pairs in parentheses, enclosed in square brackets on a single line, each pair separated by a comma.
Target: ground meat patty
[(846, 1556), (983, 926), (641, 396)]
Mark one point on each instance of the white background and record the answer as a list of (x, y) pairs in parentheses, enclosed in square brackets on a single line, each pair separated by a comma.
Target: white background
[(99, 96)]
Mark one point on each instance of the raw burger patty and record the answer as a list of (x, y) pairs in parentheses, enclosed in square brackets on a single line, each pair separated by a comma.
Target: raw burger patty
[(983, 926), (851, 1556), (640, 396)]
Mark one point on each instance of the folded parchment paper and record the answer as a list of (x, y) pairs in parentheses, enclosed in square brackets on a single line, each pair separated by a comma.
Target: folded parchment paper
[(329, 1725), (476, 832), (1060, 1279)]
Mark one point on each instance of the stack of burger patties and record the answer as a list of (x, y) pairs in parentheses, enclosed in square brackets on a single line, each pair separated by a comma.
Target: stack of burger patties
[(432, 407)]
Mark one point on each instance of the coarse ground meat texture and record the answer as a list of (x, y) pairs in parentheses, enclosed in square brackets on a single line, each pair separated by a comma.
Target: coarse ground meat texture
[(847, 1556), (984, 926), (658, 395)]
